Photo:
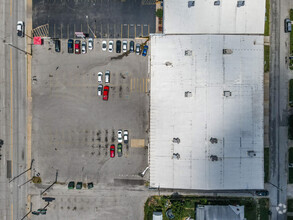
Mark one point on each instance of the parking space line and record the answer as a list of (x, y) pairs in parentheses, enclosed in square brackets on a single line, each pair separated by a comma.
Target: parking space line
[(121, 30), (108, 31), (80, 27), (143, 84), (73, 29), (101, 30), (88, 29), (146, 85), (128, 30), (148, 30), (95, 30), (130, 85), (54, 31), (61, 26), (141, 30), (137, 83), (68, 31), (135, 31), (114, 30)]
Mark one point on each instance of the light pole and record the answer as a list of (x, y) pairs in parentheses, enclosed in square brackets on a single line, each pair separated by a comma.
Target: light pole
[(51, 184), (11, 45), (23, 172)]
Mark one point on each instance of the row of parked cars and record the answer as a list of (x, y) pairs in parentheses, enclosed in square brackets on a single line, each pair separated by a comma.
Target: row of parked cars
[(122, 137), (79, 46), (105, 92)]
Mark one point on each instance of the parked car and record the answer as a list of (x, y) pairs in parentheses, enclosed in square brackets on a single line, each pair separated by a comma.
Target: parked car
[(131, 47), (137, 49), (119, 136), (20, 28), (70, 46), (107, 76), (57, 46), (124, 46), (100, 89), (119, 150), (125, 136), (104, 45), (111, 46), (71, 185), (145, 50), (106, 93), (287, 24), (90, 185), (118, 46), (91, 44), (262, 193), (100, 77), (112, 151), (77, 47), (83, 47), (79, 185)]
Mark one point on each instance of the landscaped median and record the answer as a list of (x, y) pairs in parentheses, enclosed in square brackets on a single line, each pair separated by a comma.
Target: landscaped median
[(185, 206)]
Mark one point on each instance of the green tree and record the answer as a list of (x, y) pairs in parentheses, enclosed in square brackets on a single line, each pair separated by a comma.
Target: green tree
[(159, 13)]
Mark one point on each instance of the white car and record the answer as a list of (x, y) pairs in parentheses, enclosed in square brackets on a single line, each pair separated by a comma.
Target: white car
[(104, 45), (83, 47), (91, 43), (124, 46), (107, 76), (125, 136), (100, 77), (119, 136), (20, 28), (111, 43), (100, 90)]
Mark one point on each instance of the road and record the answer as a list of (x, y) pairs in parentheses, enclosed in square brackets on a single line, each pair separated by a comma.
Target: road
[(13, 110), (278, 107)]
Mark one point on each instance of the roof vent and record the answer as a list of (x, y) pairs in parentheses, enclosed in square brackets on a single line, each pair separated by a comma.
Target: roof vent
[(176, 156), (188, 52), (227, 93), (216, 3), (168, 64), (251, 153), (176, 140), (190, 4), (240, 3), (227, 51), (214, 158), (188, 94), (214, 140)]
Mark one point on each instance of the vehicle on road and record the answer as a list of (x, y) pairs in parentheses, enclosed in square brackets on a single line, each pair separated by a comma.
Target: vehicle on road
[(262, 193), (91, 44), (145, 50), (107, 76), (131, 46), (100, 77), (124, 46), (119, 136), (119, 150), (20, 28), (79, 185), (57, 46), (118, 46), (83, 47), (288, 26), (125, 136), (71, 185), (137, 50), (100, 89), (112, 151), (106, 93), (70, 46), (77, 47), (104, 45), (111, 44)]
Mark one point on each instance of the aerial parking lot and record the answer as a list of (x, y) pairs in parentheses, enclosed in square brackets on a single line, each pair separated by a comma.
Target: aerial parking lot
[(74, 126), (98, 18)]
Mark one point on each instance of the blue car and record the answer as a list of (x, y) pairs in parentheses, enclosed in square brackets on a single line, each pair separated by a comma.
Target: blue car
[(145, 50)]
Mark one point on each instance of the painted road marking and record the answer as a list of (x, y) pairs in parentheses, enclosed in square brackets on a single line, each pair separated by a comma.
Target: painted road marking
[(11, 111)]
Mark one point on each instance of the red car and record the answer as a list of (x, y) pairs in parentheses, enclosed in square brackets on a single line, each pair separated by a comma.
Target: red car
[(112, 151), (106, 93), (77, 47)]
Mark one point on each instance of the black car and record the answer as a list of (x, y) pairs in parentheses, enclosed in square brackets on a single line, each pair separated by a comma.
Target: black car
[(70, 46), (57, 46), (131, 46), (118, 46), (262, 193)]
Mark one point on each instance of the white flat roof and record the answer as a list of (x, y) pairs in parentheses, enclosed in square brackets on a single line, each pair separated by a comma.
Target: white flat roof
[(236, 121), (204, 17)]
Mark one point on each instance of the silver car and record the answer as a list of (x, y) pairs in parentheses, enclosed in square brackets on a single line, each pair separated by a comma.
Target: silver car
[(100, 90), (107, 76), (91, 43), (124, 46), (111, 43), (83, 47)]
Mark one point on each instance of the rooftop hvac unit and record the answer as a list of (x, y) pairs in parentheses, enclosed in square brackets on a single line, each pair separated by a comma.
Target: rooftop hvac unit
[(190, 4), (176, 140), (188, 52), (227, 51), (188, 94), (214, 140), (214, 158), (251, 153), (217, 3), (227, 93), (240, 3)]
